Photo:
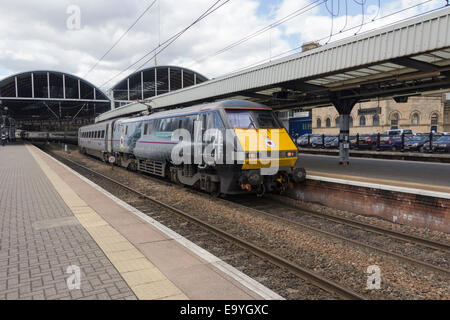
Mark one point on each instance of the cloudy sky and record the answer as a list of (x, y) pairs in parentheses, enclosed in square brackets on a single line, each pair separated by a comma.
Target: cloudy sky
[(44, 34)]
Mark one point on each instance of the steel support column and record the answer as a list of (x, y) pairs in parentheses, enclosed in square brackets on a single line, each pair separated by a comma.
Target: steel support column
[(344, 107)]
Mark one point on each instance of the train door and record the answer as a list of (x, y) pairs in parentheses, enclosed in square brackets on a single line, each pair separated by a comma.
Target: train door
[(122, 137), (107, 139)]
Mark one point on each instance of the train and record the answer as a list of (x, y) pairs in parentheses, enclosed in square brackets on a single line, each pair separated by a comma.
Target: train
[(223, 148), (70, 137)]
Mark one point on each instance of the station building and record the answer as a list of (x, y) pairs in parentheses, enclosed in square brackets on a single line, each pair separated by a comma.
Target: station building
[(421, 114)]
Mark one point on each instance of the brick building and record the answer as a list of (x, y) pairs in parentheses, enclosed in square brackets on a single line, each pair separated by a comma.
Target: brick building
[(420, 114)]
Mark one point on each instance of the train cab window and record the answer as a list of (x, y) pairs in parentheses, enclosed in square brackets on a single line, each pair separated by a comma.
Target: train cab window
[(241, 119), (252, 119)]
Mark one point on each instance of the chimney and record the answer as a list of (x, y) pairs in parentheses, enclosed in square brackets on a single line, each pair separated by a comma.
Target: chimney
[(310, 45)]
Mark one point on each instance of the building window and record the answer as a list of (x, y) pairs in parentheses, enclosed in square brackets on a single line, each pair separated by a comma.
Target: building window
[(415, 119), (337, 121), (376, 120), (319, 123), (328, 122), (394, 121), (434, 122), (362, 121)]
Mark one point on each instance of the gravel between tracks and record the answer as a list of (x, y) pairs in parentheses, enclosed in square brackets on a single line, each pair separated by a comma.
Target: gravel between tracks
[(334, 259)]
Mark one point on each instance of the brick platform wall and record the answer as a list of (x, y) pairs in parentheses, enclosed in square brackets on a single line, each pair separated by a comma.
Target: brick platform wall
[(404, 208)]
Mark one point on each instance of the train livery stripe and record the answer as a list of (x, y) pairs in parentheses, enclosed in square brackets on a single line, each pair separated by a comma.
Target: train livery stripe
[(157, 142)]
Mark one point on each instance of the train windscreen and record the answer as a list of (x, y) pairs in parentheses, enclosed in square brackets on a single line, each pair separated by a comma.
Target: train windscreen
[(253, 119)]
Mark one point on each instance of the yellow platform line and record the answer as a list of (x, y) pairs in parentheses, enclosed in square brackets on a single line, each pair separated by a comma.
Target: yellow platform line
[(412, 185), (145, 280)]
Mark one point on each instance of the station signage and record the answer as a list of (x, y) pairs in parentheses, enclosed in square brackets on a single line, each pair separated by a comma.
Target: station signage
[(366, 111)]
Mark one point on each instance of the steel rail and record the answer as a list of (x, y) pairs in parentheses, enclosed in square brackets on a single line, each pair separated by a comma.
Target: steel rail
[(377, 229), (291, 222)]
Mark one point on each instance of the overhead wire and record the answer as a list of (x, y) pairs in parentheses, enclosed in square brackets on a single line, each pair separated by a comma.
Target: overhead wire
[(120, 38), (280, 21), (168, 41)]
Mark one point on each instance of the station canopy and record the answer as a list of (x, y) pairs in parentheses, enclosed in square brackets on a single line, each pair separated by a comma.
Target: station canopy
[(154, 81), (51, 99)]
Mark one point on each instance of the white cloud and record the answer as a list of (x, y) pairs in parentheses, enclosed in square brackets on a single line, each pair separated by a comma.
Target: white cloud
[(34, 34)]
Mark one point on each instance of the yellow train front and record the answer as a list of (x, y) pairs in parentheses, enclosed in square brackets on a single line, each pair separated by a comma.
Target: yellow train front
[(266, 156)]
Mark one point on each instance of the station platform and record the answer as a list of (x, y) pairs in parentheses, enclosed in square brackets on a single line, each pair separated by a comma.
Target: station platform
[(396, 175), (63, 237)]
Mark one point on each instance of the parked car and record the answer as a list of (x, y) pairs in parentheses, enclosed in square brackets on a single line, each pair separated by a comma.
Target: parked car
[(416, 143), (331, 142), (392, 143), (364, 142), (303, 141), (316, 141), (426, 146), (442, 144)]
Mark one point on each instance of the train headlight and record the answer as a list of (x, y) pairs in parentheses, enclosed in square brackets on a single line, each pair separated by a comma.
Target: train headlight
[(290, 154), (253, 155)]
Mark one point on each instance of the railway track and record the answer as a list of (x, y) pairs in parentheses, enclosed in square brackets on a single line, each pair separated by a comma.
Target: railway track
[(273, 208), (334, 288)]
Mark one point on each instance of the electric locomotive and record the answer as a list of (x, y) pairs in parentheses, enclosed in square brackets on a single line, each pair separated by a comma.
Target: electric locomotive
[(225, 147)]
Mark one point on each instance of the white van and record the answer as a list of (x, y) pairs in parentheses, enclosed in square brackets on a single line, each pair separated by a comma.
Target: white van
[(398, 132)]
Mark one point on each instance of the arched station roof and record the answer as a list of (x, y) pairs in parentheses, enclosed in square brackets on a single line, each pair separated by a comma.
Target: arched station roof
[(154, 81), (51, 95)]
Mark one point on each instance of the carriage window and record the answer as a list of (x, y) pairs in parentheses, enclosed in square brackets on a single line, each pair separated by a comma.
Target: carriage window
[(126, 130), (155, 125), (145, 128), (213, 121), (103, 133), (150, 126), (164, 125), (188, 123)]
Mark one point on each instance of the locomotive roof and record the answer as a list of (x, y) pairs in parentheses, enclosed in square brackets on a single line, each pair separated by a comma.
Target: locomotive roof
[(224, 104)]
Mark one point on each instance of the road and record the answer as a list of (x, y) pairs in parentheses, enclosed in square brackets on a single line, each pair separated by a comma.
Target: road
[(397, 171)]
